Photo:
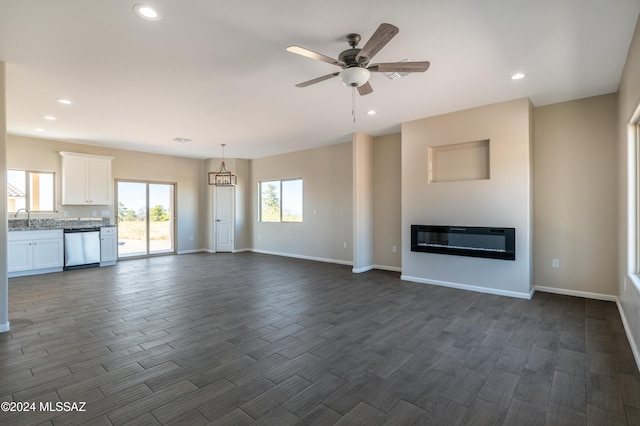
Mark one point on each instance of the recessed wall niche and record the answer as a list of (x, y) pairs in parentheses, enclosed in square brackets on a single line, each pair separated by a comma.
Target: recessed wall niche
[(459, 162)]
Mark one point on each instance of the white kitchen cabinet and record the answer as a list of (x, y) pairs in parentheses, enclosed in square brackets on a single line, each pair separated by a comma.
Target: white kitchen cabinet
[(20, 256), (108, 245), (86, 179), (35, 252)]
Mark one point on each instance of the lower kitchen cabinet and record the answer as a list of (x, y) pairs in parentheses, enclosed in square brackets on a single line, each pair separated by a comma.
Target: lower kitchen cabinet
[(108, 245), (35, 252)]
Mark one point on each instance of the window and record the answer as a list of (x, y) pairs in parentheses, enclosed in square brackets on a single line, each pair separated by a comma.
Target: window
[(30, 190), (281, 201)]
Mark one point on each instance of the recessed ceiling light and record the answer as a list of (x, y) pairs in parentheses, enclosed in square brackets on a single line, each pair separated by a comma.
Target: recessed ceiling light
[(371, 112), (63, 101), (49, 117), (517, 76), (39, 129), (146, 12), (181, 140)]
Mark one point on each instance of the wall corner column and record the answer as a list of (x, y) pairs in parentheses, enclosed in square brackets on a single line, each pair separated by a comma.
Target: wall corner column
[(362, 202), (4, 281)]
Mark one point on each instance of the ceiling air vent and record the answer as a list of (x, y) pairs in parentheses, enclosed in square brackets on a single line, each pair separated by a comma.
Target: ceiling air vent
[(397, 75)]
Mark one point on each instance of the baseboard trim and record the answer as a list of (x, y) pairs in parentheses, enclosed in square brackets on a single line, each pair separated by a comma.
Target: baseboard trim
[(468, 287), (241, 250), (192, 251), (576, 293), (363, 269), (33, 272), (388, 268), (299, 256), (5, 327), (632, 342)]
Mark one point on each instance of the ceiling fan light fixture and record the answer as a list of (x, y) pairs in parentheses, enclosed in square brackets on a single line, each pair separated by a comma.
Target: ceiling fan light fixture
[(354, 76)]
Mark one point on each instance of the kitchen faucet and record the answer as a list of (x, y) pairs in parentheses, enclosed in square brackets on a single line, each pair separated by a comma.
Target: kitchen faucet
[(28, 216)]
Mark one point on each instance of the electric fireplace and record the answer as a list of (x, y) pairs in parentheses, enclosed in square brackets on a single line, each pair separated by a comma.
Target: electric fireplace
[(475, 241)]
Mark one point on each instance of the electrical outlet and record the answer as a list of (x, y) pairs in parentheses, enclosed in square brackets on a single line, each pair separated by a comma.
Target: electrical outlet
[(394, 249), (191, 237), (65, 213), (93, 213), (345, 244), (555, 263)]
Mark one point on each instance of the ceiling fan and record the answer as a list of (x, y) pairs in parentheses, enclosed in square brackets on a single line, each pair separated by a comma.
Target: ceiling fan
[(355, 61)]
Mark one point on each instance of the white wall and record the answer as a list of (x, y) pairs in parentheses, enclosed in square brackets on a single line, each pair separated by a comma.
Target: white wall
[(243, 223), (628, 104), (575, 193), (504, 200), (328, 216), (387, 213)]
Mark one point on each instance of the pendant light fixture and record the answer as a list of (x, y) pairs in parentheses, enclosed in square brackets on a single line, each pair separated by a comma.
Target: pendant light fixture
[(222, 176)]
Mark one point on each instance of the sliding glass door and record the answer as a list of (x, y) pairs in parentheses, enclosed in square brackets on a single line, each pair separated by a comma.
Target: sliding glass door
[(160, 218), (145, 218)]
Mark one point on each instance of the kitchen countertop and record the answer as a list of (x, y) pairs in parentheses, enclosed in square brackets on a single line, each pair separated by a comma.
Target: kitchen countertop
[(49, 224)]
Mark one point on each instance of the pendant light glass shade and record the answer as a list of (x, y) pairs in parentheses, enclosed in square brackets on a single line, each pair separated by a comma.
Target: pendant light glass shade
[(354, 76)]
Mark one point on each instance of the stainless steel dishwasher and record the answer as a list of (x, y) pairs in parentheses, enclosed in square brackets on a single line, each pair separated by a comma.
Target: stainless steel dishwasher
[(81, 248)]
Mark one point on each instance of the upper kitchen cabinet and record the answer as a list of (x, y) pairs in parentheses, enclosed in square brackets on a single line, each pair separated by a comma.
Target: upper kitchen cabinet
[(86, 179)]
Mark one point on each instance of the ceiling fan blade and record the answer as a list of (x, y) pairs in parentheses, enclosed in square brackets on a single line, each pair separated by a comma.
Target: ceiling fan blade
[(314, 55), (378, 40), (400, 67), (365, 89), (317, 80)]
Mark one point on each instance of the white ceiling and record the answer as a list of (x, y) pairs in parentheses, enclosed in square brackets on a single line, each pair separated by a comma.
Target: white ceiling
[(218, 72)]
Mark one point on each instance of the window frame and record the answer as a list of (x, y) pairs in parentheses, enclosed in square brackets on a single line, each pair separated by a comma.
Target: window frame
[(636, 191), (279, 183), (632, 207), (633, 202), (28, 190)]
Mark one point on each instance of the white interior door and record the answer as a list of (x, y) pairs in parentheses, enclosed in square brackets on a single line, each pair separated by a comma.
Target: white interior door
[(223, 216)]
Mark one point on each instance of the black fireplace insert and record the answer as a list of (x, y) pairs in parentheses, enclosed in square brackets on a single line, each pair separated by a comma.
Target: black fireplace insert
[(474, 241)]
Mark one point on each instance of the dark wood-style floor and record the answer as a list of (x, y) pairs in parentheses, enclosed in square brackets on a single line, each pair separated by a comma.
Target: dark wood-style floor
[(257, 339)]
